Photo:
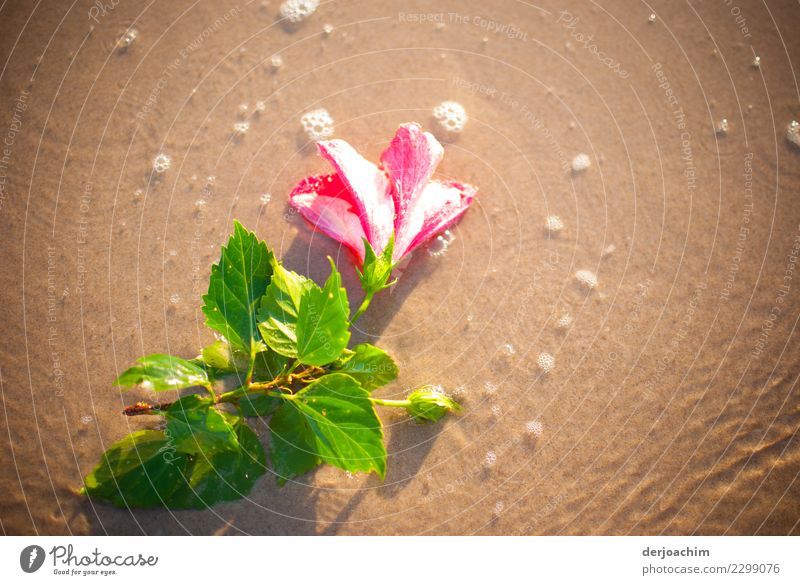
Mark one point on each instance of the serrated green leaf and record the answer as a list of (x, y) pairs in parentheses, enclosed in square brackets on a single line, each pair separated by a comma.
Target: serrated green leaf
[(377, 269), (370, 366), (337, 422), (258, 404), (277, 313), (142, 470), (236, 286), (163, 372), (196, 427), (291, 455), (223, 476), (323, 322)]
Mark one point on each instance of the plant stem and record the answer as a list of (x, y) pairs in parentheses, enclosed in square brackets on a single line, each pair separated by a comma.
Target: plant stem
[(395, 403), (364, 304)]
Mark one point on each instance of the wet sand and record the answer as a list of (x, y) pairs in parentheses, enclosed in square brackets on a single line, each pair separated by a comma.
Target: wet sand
[(673, 405)]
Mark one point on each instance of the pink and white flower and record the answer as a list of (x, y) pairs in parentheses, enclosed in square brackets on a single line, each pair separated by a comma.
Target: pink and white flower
[(362, 200)]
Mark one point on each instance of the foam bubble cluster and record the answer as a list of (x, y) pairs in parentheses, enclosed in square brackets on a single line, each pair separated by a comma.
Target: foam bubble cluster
[(553, 224), (318, 124), (581, 162), (546, 362), (535, 428), (586, 278), (564, 321), (161, 163), (793, 133), (297, 10), (489, 389), (441, 243), (490, 458), (241, 128), (723, 127), (451, 116), (127, 39), (265, 198)]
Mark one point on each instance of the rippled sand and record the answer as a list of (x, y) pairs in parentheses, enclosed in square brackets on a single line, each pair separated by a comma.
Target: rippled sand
[(671, 403)]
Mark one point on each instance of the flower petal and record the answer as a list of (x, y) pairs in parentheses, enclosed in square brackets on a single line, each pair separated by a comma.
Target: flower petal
[(410, 160), (326, 203), (369, 188), (439, 206)]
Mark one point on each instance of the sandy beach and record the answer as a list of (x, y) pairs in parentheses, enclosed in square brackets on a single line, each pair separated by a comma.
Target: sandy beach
[(620, 327)]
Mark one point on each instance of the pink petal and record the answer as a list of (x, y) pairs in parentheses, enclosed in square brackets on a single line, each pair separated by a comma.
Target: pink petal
[(369, 188), (410, 160), (326, 203), (439, 206)]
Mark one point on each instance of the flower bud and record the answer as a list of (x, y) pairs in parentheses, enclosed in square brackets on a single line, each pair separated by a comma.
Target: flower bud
[(430, 403)]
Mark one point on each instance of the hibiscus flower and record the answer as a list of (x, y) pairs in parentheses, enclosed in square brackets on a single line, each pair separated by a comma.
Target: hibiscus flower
[(361, 200)]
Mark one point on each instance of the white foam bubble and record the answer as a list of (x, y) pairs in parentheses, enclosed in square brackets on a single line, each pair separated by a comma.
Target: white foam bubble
[(451, 116), (161, 163), (327, 29), (534, 428), (297, 10), (586, 278), (260, 107), (241, 128), (652, 17), (317, 124), (553, 224), (546, 362), (608, 250), (756, 63), (276, 61), (723, 127), (793, 133), (127, 39), (581, 162)]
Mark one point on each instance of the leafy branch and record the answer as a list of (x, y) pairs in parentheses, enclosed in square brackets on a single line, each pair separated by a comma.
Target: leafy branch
[(283, 345)]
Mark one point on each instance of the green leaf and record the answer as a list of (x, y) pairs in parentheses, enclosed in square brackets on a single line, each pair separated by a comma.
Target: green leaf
[(223, 359), (142, 470), (337, 422), (277, 314), (196, 427), (323, 322), (377, 270), (237, 284), (258, 404), (291, 455), (223, 476), (370, 366), (164, 372)]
